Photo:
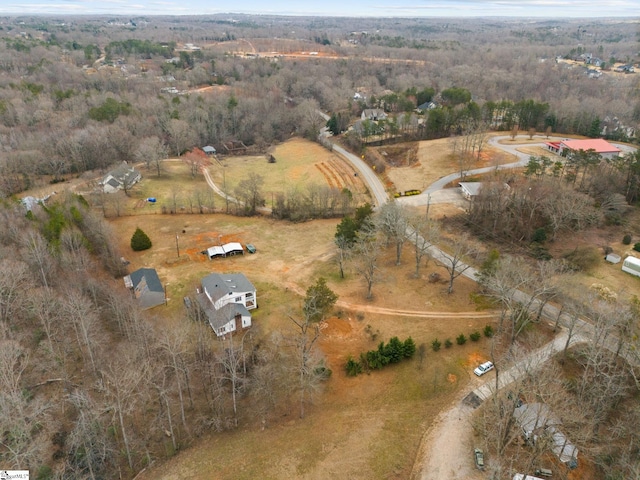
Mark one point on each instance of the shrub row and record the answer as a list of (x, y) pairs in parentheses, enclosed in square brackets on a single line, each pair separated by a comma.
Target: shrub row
[(462, 339), (392, 352)]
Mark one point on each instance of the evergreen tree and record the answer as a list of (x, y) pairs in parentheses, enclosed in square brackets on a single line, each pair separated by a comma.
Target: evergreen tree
[(319, 301), (140, 241)]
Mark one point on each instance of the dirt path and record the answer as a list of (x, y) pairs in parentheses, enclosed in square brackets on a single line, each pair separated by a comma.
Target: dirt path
[(414, 313), (446, 449), (219, 191)]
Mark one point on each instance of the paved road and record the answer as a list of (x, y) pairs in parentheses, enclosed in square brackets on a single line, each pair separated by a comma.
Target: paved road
[(369, 177), (376, 187), (532, 362)]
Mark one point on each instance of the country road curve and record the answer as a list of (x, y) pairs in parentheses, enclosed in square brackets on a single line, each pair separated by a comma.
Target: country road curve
[(369, 177)]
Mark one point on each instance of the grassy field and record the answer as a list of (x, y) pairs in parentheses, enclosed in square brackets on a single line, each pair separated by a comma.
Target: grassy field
[(368, 427), (298, 164), (364, 427)]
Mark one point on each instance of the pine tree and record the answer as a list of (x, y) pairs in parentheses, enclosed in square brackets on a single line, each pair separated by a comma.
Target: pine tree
[(140, 241)]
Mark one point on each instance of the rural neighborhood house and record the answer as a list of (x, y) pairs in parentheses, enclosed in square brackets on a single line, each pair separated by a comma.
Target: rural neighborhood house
[(470, 189), (226, 300), (121, 178), (537, 421), (146, 287)]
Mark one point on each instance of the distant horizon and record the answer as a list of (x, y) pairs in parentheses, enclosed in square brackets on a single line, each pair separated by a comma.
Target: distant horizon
[(539, 9)]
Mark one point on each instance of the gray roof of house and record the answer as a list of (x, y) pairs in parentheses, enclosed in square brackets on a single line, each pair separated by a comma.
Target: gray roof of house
[(427, 106), (220, 284), (147, 287), (151, 277), (122, 174), (222, 316), (374, 112)]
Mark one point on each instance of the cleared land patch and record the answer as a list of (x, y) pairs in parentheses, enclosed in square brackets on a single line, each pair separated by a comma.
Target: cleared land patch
[(433, 161), (351, 430), (298, 165)]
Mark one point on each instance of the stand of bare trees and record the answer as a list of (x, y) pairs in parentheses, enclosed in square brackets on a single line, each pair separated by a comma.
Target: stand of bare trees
[(128, 391)]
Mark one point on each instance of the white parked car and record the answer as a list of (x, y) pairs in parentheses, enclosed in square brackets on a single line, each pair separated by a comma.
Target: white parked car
[(484, 368)]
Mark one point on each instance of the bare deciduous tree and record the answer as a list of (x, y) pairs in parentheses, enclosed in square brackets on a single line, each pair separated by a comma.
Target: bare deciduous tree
[(21, 418), (152, 152), (461, 250), (121, 380), (366, 252), (344, 252), (182, 136), (424, 233), (84, 320), (391, 221), (14, 281), (91, 452), (249, 192), (173, 346)]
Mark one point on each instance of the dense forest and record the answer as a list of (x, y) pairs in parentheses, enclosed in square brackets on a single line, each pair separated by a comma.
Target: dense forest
[(82, 93)]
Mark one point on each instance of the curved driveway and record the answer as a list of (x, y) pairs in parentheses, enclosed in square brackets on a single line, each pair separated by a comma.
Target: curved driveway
[(436, 193)]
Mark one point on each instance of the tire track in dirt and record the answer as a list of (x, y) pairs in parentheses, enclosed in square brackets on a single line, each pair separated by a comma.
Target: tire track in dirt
[(344, 176), (396, 312), (329, 175), (415, 313), (355, 307)]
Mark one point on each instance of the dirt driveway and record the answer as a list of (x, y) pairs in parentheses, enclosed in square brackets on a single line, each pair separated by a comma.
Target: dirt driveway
[(447, 447)]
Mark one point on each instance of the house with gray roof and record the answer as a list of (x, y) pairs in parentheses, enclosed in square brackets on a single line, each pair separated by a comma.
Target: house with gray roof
[(122, 177), (225, 299), (209, 150), (146, 287), (470, 189), (426, 106), (373, 114)]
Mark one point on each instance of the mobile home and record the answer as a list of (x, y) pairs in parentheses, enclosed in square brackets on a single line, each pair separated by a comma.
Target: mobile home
[(631, 265)]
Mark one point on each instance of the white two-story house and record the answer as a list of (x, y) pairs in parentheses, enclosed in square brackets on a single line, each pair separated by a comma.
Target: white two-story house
[(226, 300)]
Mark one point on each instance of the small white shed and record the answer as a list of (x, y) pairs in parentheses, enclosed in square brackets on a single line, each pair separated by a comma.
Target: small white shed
[(613, 258), (631, 265)]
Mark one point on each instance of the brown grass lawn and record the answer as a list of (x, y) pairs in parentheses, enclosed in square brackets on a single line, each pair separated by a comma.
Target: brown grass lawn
[(434, 162), (299, 164), (605, 273), (367, 427), (364, 427)]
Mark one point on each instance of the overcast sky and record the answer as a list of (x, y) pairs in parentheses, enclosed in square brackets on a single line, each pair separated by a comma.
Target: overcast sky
[(360, 8)]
